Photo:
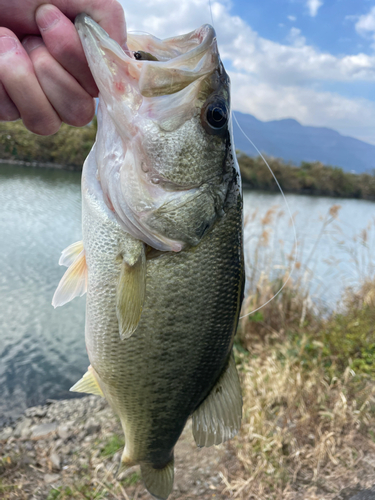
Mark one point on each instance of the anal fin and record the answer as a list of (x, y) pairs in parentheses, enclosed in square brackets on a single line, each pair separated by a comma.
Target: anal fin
[(159, 482), (218, 418), (88, 384), (131, 291)]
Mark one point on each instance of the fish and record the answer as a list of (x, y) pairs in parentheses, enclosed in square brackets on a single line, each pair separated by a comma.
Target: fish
[(161, 259)]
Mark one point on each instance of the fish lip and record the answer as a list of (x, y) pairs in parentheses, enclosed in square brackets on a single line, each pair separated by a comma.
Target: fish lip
[(88, 28), (84, 21), (81, 18)]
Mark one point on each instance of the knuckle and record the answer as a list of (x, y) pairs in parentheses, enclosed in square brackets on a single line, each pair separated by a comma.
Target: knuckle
[(64, 48), (43, 125), (8, 114), (83, 114), (18, 76), (8, 110), (15, 69), (42, 63)]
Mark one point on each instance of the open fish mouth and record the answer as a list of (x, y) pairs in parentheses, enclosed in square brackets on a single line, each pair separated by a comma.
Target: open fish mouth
[(156, 151), (159, 67)]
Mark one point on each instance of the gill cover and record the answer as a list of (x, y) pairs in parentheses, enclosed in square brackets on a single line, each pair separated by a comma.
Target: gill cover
[(160, 161)]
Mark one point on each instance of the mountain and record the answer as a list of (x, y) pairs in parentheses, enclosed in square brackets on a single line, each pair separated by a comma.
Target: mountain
[(291, 141)]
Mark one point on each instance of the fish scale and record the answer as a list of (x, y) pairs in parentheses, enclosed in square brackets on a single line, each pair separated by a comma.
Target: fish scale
[(161, 258), (166, 359)]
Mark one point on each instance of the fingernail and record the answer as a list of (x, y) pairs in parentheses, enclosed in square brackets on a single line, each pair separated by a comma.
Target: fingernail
[(47, 16), (7, 44), (32, 42)]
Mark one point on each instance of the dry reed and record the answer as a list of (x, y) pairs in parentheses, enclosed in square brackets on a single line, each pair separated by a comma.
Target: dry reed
[(308, 419)]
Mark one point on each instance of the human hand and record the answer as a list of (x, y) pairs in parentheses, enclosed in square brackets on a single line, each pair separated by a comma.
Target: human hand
[(44, 76)]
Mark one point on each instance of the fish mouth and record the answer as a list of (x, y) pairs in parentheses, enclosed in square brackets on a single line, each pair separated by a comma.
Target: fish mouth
[(172, 64), (155, 92)]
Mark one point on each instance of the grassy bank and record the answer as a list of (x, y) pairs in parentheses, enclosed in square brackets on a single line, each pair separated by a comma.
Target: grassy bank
[(70, 146), (308, 382)]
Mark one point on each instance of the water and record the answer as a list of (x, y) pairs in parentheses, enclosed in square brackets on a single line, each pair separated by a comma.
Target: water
[(333, 259), (42, 350)]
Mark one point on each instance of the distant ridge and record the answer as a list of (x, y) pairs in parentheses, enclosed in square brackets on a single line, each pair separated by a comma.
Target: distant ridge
[(291, 141)]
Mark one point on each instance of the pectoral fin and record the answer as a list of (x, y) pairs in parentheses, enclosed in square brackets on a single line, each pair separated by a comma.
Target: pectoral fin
[(74, 282), (88, 383), (218, 418), (131, 290), (69, 255)]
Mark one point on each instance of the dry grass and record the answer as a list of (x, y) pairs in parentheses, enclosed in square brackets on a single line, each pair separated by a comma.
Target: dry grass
[(309, 406), (299, 425)]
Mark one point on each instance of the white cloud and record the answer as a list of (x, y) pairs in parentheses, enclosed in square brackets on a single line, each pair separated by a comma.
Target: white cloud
[(365, 25), (292, 18), (295, 38), (353, 117), (297, 63), (271, 79), (313, 6)]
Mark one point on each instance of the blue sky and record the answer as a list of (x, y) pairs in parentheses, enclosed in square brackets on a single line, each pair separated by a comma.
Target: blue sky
[(330, 29), (312, 60)]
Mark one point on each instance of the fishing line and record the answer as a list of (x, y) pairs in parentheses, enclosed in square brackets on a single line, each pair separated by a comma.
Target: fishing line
[(212, 17), (290, 215), (139, 31), (284, 198)]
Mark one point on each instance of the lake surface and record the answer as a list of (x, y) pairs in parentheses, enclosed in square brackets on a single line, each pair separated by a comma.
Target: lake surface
[(42, 350)]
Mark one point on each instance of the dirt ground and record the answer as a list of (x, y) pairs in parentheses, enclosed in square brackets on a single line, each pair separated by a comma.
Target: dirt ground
[(71, 450)]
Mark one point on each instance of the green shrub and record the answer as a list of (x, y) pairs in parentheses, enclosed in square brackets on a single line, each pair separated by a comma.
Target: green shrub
[(310, 178)]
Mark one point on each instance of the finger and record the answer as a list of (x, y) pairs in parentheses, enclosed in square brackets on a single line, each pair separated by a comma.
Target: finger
[(22, 86), (62, 41), (8, 111), (108, 13), (72, 103)]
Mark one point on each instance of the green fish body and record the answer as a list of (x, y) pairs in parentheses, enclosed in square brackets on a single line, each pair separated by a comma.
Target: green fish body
[(162, 255)]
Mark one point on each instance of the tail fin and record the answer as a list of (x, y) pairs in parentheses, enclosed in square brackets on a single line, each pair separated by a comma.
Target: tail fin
[(159, 482)]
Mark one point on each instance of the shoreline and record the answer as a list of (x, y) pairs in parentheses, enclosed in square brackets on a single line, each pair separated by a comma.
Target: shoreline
[(245, 183), (37, 164)]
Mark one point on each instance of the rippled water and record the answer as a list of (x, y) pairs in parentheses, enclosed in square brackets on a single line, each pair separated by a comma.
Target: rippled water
[(335, 257), (42, 351)]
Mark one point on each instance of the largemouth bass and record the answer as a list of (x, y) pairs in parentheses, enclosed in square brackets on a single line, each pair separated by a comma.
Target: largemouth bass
[(161, 258)]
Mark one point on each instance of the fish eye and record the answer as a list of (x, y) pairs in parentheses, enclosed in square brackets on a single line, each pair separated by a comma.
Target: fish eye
[(217, 115)]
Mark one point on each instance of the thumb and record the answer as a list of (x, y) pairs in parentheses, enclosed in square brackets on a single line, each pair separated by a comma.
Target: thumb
[(109, 14)]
